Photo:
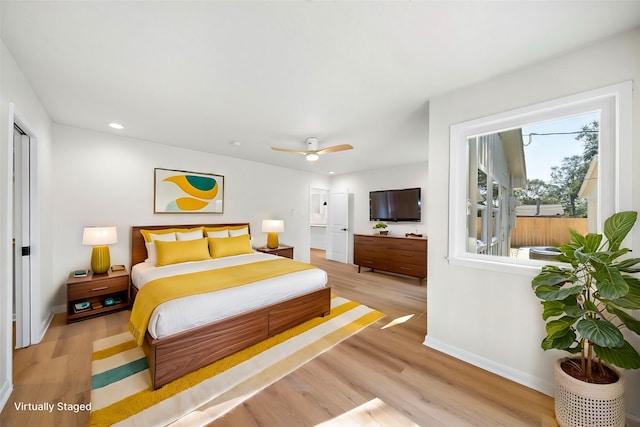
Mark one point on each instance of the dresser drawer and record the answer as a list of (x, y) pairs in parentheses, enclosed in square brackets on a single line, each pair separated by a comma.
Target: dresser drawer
[(408, 257), (97, 287), (408, 269), (415, 245), (371, 262), (367, 241)]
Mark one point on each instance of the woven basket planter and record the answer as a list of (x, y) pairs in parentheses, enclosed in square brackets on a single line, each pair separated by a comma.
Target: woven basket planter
[(583, 404)]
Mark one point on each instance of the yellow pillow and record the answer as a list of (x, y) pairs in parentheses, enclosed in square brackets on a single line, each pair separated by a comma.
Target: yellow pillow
[(181, 251), (228, 246)]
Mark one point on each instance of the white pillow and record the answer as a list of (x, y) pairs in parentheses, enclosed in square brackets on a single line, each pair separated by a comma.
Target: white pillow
[(238, 232), (152, 256), (165, 237), (218, 233), (189, 235)]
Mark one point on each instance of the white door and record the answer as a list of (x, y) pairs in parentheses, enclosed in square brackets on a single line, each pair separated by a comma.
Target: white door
[(21, 238), (338, 225)]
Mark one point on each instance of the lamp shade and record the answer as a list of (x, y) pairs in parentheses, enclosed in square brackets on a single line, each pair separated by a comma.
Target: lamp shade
[(272, 226), (98, 236)]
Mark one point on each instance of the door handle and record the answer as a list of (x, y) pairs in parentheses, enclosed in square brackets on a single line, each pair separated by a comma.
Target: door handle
[(343, 229)]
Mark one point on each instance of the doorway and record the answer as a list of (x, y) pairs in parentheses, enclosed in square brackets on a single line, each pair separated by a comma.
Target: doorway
[(318, 208), (21, 236), (338, 227)]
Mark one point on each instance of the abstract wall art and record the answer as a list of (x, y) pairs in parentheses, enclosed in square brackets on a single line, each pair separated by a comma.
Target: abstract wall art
[(179, 191)]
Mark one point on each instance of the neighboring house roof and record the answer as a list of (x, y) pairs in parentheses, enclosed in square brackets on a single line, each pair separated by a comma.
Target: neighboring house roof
[(589, 187), (541, 210), (514, 151)]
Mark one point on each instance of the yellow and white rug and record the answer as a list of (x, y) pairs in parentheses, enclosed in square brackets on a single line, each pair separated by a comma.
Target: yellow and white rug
[(121, 391)]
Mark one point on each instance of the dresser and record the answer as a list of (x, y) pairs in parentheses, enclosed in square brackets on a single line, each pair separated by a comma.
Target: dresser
[(402, 255)]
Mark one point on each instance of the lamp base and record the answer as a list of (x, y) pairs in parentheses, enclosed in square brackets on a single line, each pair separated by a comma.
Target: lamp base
[(272, 240), (100, 259)]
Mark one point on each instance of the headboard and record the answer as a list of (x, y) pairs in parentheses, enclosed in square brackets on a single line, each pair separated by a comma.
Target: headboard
[(139, 250)]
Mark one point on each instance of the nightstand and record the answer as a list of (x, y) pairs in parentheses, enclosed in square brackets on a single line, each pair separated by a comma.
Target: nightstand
[(95, 289), (282, 250)]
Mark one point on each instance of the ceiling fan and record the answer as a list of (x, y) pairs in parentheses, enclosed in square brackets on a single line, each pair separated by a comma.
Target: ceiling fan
[(313, 153)]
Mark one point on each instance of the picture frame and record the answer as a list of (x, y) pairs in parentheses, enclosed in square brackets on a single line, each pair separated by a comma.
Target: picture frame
[(179, 192)]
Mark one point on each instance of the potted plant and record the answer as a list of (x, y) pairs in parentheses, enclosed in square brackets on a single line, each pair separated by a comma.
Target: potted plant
[(585, 307), (381, 227)]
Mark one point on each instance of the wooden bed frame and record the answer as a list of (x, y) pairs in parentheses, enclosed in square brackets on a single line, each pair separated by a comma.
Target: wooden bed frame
[(172, 357)]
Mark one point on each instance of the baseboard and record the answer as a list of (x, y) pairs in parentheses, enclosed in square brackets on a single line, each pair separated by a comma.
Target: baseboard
[(504, 371), (5, 393), (492, 366), (632, 421), (44, 325)]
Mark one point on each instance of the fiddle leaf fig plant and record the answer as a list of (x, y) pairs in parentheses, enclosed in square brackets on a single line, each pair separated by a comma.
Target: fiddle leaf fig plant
[(587, 306)]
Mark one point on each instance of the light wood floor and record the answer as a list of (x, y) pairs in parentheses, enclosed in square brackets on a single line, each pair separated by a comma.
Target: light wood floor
[(377, 377)]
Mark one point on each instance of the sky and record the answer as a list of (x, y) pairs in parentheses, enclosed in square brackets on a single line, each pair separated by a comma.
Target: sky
[(547, 151)]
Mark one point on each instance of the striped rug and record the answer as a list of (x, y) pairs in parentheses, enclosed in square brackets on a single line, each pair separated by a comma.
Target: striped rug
[(121, 384)]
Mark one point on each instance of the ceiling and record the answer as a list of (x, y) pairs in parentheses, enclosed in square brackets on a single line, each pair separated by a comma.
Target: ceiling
[(201, 75)]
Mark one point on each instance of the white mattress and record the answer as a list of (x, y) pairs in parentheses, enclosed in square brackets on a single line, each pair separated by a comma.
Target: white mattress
[(185, 313)]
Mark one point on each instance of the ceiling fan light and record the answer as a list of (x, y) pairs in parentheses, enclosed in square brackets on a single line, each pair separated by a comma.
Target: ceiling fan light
[(312, 157)]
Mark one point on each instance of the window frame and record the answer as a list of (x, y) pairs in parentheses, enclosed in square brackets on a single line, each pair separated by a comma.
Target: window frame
[(614, 187)]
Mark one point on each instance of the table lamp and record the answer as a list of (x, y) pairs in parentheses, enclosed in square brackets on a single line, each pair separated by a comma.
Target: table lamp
[(272, 227), (99, 238)]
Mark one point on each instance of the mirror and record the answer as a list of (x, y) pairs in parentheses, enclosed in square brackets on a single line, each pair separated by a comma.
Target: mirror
[(529, 185), (318, 207)]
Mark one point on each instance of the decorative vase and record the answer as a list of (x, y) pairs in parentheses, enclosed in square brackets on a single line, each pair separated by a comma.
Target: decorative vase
[(578, 403)]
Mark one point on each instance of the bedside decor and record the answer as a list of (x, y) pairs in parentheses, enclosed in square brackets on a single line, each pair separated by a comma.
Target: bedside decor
[(99, 238), (178, 191), (86, 296), (273, 227)]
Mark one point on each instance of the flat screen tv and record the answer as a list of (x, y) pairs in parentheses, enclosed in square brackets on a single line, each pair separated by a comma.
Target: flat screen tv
[(395, 205)]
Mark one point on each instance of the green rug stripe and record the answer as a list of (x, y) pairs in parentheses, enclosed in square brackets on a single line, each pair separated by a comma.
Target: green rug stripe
[(116, 374)]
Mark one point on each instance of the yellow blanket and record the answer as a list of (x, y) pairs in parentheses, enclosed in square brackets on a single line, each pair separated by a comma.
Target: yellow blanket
[(161, 290)]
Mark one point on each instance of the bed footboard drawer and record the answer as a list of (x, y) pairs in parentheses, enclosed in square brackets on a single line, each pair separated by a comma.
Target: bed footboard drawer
[(304, 308), (199, 347)]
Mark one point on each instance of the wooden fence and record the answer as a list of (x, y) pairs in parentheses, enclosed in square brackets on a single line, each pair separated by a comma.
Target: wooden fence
[(551, 231)]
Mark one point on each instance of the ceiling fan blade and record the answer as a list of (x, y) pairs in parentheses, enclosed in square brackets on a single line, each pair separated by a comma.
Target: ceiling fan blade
[(287, 150), (335, 149)]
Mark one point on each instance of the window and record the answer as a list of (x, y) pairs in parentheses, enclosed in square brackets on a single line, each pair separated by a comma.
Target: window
[(491, 150)]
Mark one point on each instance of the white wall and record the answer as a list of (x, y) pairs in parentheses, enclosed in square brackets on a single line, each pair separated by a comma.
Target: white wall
[(15, 89), (360, 184), (106, 179), (493, 319)]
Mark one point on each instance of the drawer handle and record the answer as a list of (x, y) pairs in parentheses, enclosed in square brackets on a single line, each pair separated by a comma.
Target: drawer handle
[(99, 289)]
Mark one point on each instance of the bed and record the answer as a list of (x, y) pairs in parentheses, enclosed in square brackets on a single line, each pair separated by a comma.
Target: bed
[(174, 353)]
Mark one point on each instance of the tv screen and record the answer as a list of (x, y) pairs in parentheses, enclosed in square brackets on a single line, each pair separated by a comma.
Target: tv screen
[(395, 205)]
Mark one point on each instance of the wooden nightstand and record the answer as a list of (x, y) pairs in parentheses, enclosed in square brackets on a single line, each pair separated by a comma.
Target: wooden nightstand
[(95, 289), (282, 250)]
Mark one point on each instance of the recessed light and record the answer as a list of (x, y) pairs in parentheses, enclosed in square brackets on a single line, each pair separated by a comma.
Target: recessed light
[(235, 143), (116, 126), (331, 172)]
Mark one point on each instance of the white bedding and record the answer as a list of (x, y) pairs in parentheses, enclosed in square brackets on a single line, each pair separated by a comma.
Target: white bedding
[(188, 312)]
